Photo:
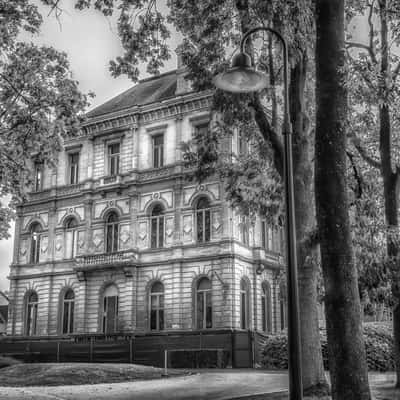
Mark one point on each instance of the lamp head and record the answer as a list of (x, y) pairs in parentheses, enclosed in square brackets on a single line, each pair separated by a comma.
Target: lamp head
[(241, 77)]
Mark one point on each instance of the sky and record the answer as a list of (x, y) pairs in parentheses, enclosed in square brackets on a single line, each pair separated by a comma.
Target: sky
[(91, 41)]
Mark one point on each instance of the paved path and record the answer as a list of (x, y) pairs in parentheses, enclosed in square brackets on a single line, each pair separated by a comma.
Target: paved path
[(219, 385), (213, 385)]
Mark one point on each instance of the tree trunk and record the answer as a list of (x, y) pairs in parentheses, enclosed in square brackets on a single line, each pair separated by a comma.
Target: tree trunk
[(347, 361), (314, 380), (390, 179)]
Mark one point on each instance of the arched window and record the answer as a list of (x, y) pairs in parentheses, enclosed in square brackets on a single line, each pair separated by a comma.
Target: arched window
[(157, 227), (31, 313), (71, 238), (68, 312), (36, 229), (203, 220), (266, 307), (112, 233), (203, 304), (157, 306), (244, 304), (110, 309)]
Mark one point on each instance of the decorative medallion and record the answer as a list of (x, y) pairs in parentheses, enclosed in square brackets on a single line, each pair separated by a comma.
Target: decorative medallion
[(43, 249), (125, 236), (187, 228), (81, 242), (142, 235), (22, 251), (156, 195), (169, 232), (59, 244), (97, 240)]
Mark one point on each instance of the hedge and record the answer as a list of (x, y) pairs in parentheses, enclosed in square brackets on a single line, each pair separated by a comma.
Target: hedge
[(378, 344)]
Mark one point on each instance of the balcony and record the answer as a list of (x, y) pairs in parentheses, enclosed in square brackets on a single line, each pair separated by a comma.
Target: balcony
[(90, 262)]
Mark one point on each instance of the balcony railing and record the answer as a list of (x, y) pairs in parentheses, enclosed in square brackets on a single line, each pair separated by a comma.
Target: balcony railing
[(124, 257)]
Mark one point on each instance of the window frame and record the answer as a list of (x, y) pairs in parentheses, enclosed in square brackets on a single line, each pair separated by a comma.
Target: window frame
[(74, 243), (70, 304), (113, 156), (203, 297), (73, 168), (35, 239), (244, 304), (204, 213), (104, 305), (39, 176), (266, 307), (114, 228), (157, 149), (159, 220), (159, 308), (31, 307)]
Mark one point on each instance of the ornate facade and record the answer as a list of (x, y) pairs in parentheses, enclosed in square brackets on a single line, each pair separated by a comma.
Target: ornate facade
[(116, 239)]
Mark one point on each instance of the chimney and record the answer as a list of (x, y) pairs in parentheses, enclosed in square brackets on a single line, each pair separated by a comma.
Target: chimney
[(182, 85)]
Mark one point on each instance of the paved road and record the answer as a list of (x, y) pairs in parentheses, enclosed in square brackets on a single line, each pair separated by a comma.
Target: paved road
[(210, 385), (206, 385)]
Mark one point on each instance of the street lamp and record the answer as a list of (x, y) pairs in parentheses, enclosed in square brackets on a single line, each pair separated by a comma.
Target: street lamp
[(243, 78)]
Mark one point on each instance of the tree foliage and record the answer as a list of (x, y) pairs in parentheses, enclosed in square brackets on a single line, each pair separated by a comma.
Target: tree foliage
[(40, 103)]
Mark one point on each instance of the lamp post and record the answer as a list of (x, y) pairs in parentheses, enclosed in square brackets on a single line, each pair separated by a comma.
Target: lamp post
[(243, 78)]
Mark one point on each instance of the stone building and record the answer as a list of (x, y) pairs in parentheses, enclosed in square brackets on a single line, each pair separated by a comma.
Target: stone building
[(116, 239)]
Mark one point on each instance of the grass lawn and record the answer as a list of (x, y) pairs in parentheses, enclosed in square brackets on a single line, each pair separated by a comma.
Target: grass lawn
[(54, 374)]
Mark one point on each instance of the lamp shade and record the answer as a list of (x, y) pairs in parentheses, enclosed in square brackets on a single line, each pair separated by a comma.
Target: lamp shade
[(241, 77)]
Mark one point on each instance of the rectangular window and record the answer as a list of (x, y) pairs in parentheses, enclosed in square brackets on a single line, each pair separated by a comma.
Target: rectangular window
[(158, 151), (38, 183), (113, 159), (73, 161)]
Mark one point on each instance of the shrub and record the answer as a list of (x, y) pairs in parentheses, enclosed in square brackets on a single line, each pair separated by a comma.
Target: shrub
[(378, 345), (8, 361)]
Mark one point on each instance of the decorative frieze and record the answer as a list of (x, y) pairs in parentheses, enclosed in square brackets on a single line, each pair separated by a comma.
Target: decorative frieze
[(131, 118), (166, 197), (100, 207), (209, 189), (76, 211)]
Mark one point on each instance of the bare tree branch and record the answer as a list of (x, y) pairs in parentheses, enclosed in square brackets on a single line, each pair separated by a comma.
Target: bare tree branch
[(363, 152), (269, 134)]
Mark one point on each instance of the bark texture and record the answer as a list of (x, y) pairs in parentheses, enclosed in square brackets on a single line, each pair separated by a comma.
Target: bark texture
[(347, 362)]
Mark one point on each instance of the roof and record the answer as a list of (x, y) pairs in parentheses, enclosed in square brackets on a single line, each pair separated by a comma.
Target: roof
[(147, 91)]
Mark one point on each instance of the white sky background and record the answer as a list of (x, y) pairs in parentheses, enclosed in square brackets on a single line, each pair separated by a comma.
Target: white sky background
[(91, 41)]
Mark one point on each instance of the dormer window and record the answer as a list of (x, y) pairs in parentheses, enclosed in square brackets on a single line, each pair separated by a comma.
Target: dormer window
[(113, 154)]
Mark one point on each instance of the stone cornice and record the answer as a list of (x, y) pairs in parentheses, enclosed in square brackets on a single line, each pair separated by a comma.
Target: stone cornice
[(147, 114)]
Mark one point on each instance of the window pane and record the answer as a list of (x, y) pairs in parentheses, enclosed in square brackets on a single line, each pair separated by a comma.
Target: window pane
[(161, 319), (154, 302), (65, 317), (200, 226), (161, 301), (153, 319), (263, 239), (71, 317), (115, 238), (109, 238), (207, 228), (263, 316), (200, 310), (155, 158), (208, 310), (243, 310), (161, 232), (153, 233)]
